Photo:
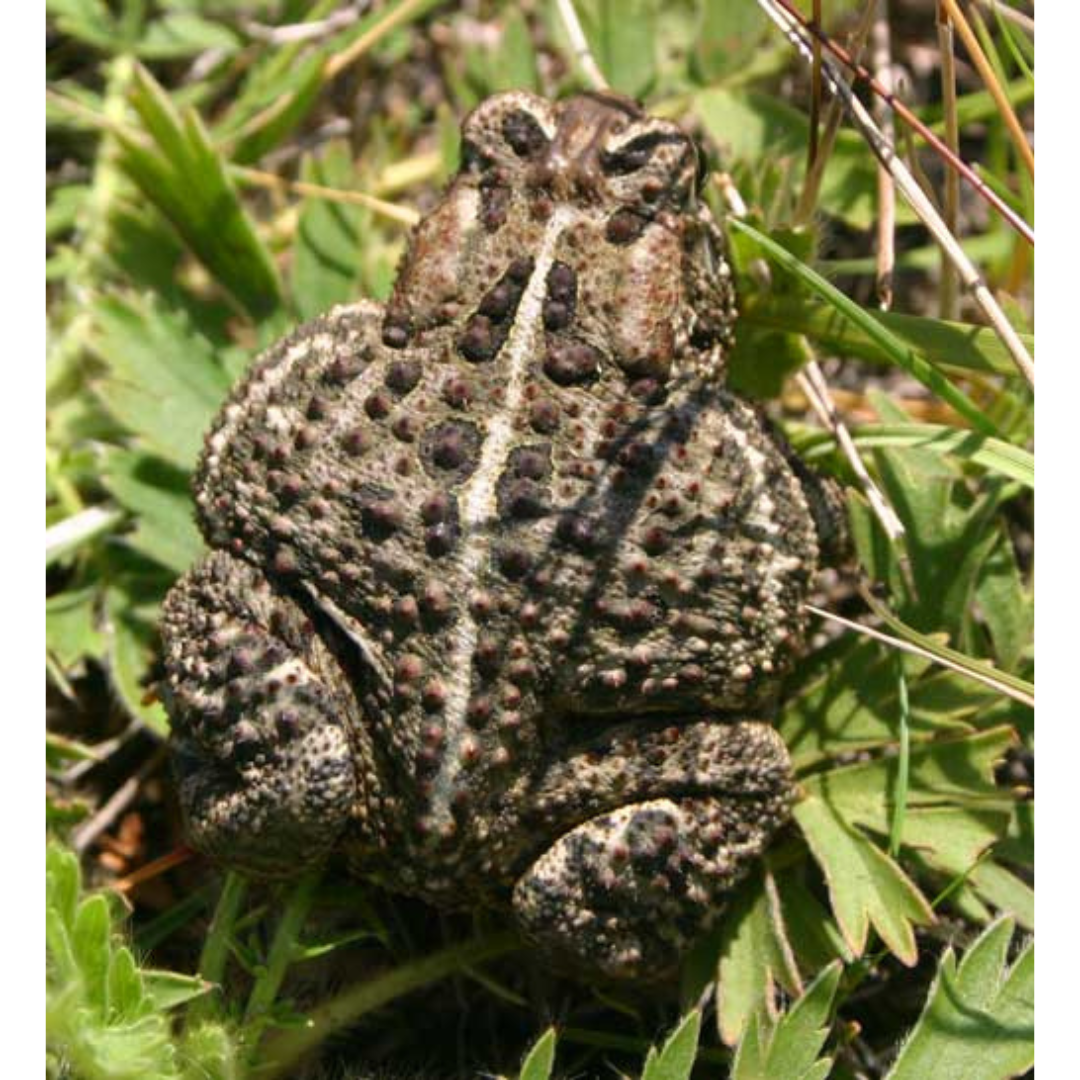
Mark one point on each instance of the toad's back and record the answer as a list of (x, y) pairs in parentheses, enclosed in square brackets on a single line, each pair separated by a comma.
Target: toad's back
[(520, 492)]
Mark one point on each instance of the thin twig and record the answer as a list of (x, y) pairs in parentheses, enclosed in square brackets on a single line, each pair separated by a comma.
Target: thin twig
[(812, 382), (816, 94), (292, 33), (993, 84), (881, 60), (155, 868), (909, 188), (118, 802), (579, 43), (834, 115), (951, 208), (338, 63), (918, 650), (258, 178), (791, 21)]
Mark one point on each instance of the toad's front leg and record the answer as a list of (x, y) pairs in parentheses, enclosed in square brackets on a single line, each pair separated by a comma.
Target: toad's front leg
[(263, 720), (628, 890)]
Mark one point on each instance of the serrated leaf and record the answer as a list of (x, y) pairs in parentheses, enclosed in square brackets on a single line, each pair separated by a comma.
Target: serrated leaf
[(675, 1060), (866, 887), (159, 497), (979, 1019), (755, 955), (815, 939), (941, 772), (71, 632), (1005, 892), (788, 1048), (131, 636), (1007, 607), (185, 178), (846, 699), (164, 383), (540, 1059)]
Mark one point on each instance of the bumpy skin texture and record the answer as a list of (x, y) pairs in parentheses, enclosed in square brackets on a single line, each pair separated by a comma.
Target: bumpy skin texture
[(505, 581)]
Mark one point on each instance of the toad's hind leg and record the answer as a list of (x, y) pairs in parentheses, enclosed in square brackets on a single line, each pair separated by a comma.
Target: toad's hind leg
[(627, 891), (262, 719)]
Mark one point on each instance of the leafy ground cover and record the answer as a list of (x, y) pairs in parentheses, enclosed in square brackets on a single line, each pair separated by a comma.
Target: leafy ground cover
[(219, 171)]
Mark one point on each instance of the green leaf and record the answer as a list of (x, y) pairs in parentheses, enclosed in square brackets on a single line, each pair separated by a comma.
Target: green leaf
[(675, 1061), (540, 1059), (1019, 689), (897, 351), (132, 634), (169, 989), (1008, 608), (846, 700), (814, 937), (178, 34), (326, 253), (622, 35), (949, 345), (125, 985), (865, 886), (185, 178), (943, 772), (71, 632), (979, 1019), (762, 359), (750, 126), (995, 455), (1003, 890), (91, 947), (158, 495), (755, 955), (788, 1048), (163, 383), (86, 20), (729, 35)]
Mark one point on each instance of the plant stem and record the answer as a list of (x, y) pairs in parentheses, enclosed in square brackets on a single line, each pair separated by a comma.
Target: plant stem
[(903, 762), (281, 1053), (283, 950), (216, 949)]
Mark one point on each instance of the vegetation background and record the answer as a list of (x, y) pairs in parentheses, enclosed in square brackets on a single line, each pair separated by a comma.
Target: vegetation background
[(219, 171)]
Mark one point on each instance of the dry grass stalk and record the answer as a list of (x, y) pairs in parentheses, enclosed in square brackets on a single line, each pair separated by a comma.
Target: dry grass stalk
[(951, 210), (881, 61), (993, 84), (578, 42), (797, 34), (785, 15)]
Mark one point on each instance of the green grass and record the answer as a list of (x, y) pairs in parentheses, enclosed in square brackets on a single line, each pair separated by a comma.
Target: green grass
[(172, 261)]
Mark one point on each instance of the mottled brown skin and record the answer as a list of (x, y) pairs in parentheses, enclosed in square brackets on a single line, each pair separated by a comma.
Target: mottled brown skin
[(505, 581)]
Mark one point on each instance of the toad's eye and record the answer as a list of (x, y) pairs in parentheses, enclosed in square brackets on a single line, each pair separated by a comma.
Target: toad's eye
[(639, 151), (524, 134)]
